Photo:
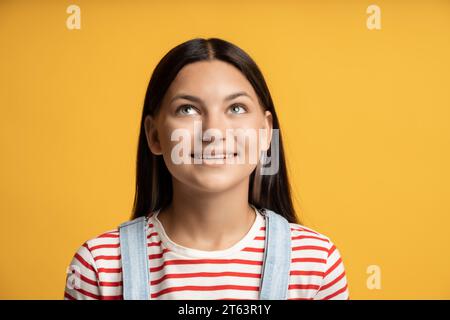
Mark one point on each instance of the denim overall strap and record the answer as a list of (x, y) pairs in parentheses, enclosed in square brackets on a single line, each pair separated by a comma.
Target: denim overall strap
[(133, 247), (277, 257)]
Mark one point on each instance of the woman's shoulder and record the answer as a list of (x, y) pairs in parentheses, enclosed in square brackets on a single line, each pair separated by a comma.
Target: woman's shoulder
[(108, 239), (110, 236), (103, 244), (105, 236), (315, 254), (302, 232), (306, 241), (96, 259)]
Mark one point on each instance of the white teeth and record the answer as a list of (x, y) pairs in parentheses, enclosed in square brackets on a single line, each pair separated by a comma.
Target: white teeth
[(219, 156)]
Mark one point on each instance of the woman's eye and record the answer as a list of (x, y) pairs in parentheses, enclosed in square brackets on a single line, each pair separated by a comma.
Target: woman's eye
[(237, 107), (185, 107)]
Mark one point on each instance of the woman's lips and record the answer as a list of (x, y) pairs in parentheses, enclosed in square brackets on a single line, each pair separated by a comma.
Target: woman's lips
[(214, 157)]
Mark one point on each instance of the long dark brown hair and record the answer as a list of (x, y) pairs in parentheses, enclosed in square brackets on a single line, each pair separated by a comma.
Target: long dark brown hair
[(153, 179)]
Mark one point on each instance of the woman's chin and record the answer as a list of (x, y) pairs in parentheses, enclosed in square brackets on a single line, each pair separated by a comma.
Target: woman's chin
[(213, 183), (215, 187), (211, 180)]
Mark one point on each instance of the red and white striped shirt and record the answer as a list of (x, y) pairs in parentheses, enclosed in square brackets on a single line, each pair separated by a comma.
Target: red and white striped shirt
[(177, 272)]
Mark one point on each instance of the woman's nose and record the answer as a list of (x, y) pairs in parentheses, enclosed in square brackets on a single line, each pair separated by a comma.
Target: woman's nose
[(215, 124)]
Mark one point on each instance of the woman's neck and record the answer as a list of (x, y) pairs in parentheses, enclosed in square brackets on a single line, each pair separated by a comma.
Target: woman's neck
[(208, 221)]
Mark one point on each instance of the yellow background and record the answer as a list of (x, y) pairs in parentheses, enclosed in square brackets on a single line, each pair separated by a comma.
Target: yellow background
[(365, 116)]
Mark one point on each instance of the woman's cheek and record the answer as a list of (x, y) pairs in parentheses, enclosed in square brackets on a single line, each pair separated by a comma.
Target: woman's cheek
[(176, 143)]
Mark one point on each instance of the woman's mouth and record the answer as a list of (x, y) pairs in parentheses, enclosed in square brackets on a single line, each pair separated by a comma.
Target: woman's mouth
[(213, 157)]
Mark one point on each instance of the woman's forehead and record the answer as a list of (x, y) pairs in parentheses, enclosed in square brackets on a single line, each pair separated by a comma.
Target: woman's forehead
[(210, 78)]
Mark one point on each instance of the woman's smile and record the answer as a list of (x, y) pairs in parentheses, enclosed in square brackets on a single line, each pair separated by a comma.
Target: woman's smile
[(213, 159)]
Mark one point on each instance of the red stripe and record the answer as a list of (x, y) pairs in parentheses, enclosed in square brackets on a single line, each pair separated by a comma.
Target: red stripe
[(87, 280), (308, 237), (158, 255), (309, 248), (331, 250), (84, 262), (110, 270), (305, 230), (154, 244), (303, 286), (119, 297), (201, 261), (309, 260), (110, 283), (332, 282), (306, 273), (68, 296), (87, 293), (153, 234), (204, 288), (333, 267), (249, 249), (336, 293), (105, 246), (205, 274), (107, 258), (109, 235)]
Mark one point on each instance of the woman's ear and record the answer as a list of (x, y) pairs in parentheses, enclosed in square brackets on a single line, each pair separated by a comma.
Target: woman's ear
[(152, 135), (268, 125)]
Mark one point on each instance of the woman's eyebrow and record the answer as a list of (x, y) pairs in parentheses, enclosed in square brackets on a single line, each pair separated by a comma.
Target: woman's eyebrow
[(198, 100)]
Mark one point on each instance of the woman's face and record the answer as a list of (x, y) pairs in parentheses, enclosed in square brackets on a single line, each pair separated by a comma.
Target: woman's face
[(200, 102)]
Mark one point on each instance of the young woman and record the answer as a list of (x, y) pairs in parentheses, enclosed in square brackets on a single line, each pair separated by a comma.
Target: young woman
[(205, 222)]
